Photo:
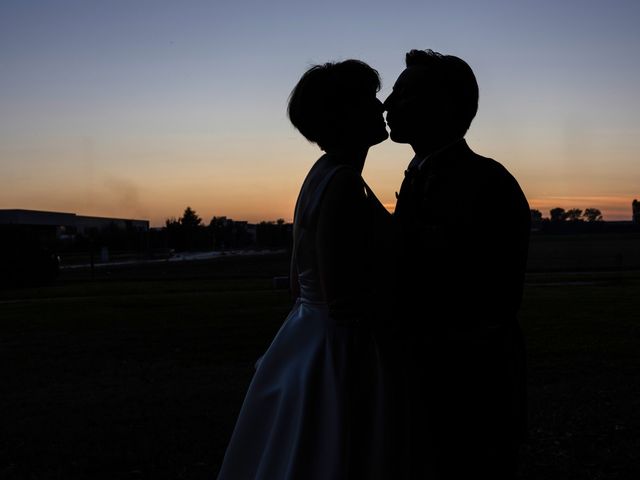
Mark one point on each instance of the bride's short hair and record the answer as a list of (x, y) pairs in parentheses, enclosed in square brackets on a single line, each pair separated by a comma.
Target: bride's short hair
[(322, 93)]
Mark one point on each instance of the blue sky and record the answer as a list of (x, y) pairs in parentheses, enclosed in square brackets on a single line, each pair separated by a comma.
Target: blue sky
[(139, 108)]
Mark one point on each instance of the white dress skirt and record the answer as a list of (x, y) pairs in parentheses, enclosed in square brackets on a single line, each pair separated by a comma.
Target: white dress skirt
[(292, 423), (296, 419)]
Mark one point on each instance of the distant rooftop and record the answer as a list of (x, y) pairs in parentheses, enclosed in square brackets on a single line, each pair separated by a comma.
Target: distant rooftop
[(67, 219)]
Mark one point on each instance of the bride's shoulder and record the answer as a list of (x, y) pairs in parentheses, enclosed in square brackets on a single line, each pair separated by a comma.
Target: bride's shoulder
[(331, 177), (344, 180), (328, 187)]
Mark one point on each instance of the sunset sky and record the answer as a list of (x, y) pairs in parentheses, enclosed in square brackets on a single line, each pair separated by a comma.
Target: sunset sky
[(139, 108)]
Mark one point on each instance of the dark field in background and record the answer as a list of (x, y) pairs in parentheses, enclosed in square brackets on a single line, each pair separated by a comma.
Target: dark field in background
[(141, 372)]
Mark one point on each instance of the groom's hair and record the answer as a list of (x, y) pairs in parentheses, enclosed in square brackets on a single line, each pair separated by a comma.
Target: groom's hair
[(322, 94), (451, 80)]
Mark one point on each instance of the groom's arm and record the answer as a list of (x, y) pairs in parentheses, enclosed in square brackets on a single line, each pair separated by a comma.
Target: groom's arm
[(503, 245)]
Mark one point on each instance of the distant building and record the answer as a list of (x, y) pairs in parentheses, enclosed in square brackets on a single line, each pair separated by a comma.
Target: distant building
[(60, 231), (61, 224), (229, 233), (635, 205), (32, 242)]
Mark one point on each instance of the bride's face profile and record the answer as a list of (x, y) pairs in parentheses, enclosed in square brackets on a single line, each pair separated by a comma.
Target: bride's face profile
[(361, 123), (334, 105)]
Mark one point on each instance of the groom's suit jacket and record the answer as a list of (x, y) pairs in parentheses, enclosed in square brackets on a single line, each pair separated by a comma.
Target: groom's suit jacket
[(463, 228)]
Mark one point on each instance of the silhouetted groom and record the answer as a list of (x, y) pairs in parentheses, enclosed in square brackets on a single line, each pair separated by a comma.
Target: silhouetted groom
[(463, 230)]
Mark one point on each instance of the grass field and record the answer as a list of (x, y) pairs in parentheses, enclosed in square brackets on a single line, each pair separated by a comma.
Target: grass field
[(140, 372)]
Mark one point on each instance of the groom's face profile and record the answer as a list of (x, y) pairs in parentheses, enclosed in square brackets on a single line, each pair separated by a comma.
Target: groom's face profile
[(359, 123), (407, 106)]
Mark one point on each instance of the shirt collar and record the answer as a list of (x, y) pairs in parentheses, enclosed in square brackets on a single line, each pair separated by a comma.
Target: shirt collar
[(419, 162)]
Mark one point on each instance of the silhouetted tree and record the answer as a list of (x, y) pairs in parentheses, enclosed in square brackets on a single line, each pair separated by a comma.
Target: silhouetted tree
[(635, 205), (557, 214), (190, 221), (187, 232), (273, 234), (171, 221), (592, 215), (536, 216), (175, 238), (573, 214), (190, 218)]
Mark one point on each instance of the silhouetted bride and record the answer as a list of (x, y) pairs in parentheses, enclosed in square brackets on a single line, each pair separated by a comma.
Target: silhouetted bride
[(312, 410)]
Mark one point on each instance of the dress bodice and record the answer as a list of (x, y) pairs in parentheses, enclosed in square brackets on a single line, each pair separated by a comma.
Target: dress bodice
[(304, 259)]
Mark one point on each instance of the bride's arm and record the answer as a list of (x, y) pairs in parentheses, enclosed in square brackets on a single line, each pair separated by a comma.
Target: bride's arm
[(341, 244), (294, 285)]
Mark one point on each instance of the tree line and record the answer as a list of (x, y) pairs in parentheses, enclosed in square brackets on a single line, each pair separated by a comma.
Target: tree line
[(559, 214), (190, 233)]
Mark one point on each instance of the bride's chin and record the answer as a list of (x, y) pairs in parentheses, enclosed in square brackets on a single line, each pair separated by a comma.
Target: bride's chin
[(381, 137)]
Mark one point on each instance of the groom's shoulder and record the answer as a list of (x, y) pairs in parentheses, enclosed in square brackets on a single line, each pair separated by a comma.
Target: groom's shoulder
[(493, 177), (486, 167)]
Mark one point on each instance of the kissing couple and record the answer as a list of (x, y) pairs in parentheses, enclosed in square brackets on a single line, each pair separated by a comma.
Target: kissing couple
[(402, 357)]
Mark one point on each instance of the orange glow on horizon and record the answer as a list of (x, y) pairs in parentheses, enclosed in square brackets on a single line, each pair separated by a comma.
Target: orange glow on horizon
[(391, 207), (613, 208)]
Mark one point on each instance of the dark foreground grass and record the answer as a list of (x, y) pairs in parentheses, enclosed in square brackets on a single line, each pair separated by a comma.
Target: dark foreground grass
[(584, 388), (141, 372), (134, 378)]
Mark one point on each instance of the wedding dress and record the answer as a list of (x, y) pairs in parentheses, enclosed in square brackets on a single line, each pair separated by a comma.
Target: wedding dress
[(302, 417)]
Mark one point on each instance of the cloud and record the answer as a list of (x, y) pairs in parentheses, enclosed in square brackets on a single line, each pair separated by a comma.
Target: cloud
[(124, 194)]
